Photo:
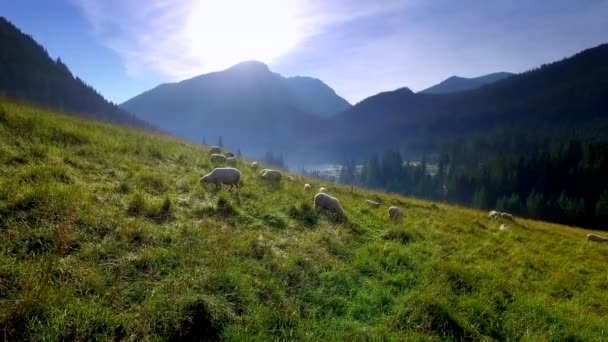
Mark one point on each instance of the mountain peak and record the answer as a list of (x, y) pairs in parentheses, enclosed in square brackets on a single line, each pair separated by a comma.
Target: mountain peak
[(458, 83), (251, 65)]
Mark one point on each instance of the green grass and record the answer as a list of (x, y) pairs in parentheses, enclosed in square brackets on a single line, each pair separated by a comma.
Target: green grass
[(105, 233)]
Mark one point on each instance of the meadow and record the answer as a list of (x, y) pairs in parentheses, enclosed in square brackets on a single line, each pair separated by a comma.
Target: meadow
[(106, 234)]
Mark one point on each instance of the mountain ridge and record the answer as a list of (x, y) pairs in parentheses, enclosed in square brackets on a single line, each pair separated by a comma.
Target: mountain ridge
[(269, 109), (28, 73), (457, 83)]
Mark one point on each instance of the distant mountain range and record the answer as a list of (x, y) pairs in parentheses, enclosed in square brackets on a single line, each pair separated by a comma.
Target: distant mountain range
[(457, 83), (257, 110), (569, 96), (28, 73), (251, 107)]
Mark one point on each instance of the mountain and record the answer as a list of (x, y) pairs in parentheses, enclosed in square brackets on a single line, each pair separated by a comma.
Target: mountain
[(28, 73), (122, 241), (251, 107), (313, 96), (568, 95), (457, 83)]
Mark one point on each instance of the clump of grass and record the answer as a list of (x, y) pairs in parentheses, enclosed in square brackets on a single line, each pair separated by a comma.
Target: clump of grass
[(274, 221), (159, 211), (138, 204), (305, 213), (431, 315), (399, 235), (41, 203), (225, 208), (163, 211), (123, 188), (153, 183), (155, 152)]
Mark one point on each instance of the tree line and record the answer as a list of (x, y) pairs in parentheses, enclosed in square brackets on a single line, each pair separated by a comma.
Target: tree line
[(564, 181)]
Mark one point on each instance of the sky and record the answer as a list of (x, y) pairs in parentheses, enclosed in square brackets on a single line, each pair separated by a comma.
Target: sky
[(358, 47)]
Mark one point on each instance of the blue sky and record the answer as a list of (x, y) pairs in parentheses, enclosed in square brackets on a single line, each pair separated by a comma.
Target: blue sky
[(358, 47)]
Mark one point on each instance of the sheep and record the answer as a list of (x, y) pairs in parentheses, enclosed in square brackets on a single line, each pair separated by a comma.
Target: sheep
[(324, 201), (503, 228), (254, 165), (222, 175), (322, 189), (494, 214), (507, 216), (215, 150), (231, 161), (272, 175), (229, 154), (395, 213), (291, 179), (372, 203), (262, 172), (596, 238), (307, 187), (218, 158)]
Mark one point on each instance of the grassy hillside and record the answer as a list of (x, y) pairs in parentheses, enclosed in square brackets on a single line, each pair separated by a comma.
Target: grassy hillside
[(106, 233)]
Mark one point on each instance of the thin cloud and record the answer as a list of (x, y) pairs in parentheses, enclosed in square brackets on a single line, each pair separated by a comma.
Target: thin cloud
[(177, 39)]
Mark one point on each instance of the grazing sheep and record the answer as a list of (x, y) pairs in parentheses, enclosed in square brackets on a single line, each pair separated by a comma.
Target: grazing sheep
[(222, 175), (596, 238), (262, 172), (494, 214), (372, 203), (217, 158), (503, 228), (322, 189), (324, 201), (291, 179), (272, 175), (215, 150), (507, 216), (254, 165), (229, 154), (307, 187), (231, 161), (395, 213)]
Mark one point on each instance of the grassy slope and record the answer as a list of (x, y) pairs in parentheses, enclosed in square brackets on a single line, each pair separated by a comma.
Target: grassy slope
[(105, 231)]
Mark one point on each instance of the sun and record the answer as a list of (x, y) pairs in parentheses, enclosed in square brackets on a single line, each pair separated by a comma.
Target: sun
[(226, 32)]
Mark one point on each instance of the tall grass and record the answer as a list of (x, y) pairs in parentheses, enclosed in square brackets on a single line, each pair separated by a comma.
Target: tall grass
[(105, 233)]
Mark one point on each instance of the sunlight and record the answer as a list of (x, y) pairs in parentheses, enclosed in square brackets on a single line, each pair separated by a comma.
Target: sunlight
[(230, 31)]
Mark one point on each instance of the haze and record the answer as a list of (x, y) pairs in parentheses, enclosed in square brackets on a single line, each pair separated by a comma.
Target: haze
[(359, 48)]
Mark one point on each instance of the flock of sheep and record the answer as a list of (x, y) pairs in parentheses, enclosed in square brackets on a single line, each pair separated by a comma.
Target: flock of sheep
[(494, 215), (232, 177), (322, 201)]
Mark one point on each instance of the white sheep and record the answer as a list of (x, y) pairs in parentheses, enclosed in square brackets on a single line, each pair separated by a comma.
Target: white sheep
[(218, 158), (324, 201), (322, 189), (222, 175), (494, 214), (272, 175), (503, 228), (231, 161), (372, 203), (507, 216), (596, 238), (291, 179), (215, 150), (307, 187), (395, 213), (254, 165)]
